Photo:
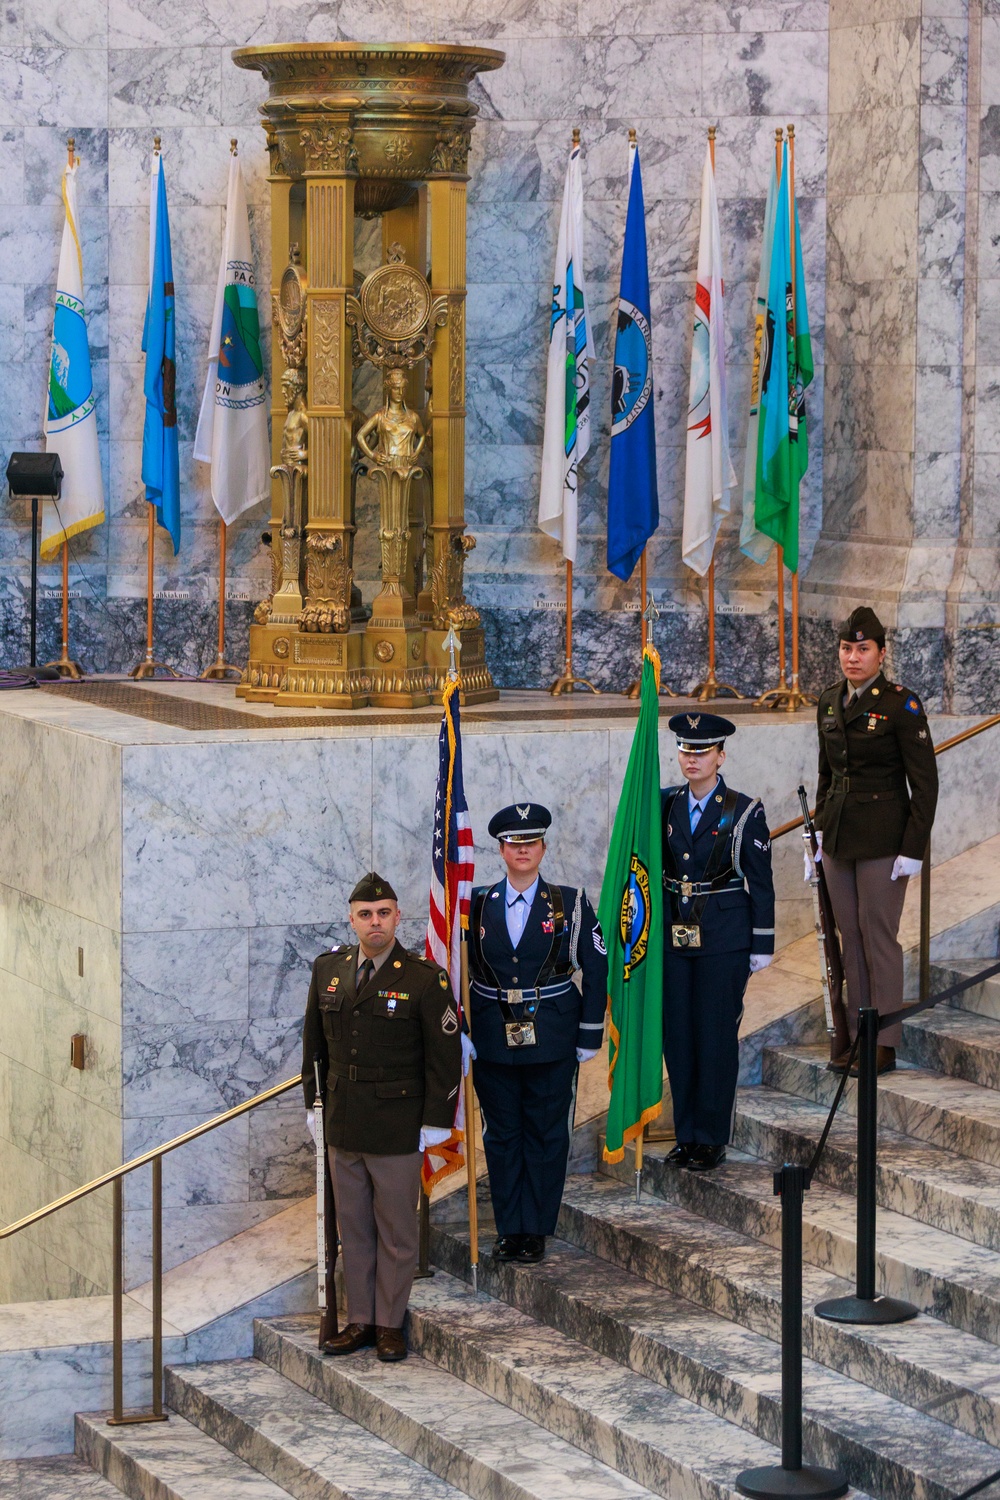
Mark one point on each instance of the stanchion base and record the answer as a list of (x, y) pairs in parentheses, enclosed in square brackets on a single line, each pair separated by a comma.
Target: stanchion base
[(66, 668), (219, 671), (567, 682), (873, 1310), (634, 690), (713, 688), (783, 700), (807, 1483), (148, 668)]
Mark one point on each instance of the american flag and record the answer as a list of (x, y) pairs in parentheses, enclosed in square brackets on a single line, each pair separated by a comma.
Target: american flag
[(452, 871)]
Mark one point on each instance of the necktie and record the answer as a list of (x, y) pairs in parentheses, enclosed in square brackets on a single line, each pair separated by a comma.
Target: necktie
[(365, 973), (695, 816)]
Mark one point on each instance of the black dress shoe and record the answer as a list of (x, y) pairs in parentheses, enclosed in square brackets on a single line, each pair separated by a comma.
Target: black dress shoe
[(532, 1249), (508, 1247), (681, 1154), (839, 1064), (704, 1158), (390, 1345), (354, 1336), (885, 1061)]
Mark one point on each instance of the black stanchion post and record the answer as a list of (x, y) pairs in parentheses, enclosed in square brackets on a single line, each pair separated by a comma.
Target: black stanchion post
[(864, 1306), (792, 1480)]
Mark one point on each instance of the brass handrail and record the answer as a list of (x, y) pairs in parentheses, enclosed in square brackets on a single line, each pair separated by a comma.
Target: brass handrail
[(116, 1177)]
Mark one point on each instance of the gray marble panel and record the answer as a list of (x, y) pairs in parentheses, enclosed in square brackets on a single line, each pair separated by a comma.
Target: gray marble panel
[(185, 977), (207, 1067), (62, 1478), (54, 85), (281, 960), (147, 86)]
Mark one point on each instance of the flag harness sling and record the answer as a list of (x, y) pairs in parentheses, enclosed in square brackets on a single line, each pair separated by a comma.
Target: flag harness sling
[(519, 1030), (688, 934)]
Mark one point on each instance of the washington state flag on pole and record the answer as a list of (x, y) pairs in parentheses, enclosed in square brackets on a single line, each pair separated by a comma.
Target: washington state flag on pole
[(70, 414), (782, 440), (753, 542), (232, 431), (631, 917), (708, 474), (567, 388)]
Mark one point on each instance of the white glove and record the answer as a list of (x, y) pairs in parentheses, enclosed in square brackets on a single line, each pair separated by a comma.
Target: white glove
[(432, 1135), (809, 859), (584, 1054), (469, 1054), (311, 1122), (760, 961), (905, 867)]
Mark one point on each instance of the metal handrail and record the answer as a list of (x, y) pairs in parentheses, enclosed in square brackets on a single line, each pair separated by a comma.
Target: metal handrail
[(116, 1177)]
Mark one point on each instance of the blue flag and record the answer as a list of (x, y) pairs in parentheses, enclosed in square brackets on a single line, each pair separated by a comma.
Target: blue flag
[(633, 506), (160, 468)]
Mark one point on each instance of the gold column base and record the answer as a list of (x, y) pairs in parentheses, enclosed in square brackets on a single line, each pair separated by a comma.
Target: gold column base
[(395, 665), (477, 684), (325, 671)]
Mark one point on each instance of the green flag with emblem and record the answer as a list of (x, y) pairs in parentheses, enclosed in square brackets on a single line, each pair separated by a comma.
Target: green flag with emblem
[(631, 916)]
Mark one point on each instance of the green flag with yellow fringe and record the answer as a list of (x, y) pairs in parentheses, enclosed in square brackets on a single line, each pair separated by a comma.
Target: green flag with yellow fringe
[(631, 916)]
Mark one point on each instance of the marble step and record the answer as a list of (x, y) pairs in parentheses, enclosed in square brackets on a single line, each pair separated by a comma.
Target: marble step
[(955, 1282), (294, 1439), (171, 1460), (960, 1043), (482, 1446), (921, 1181), (667, 1331), (624, 1419), (60, 1478), (950, 1113), (982, 999)]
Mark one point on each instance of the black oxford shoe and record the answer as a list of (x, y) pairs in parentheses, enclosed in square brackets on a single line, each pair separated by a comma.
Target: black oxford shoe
[(681, 1154), (508, 1247), (705, 1158), (390, 1345), (532, 1249), (355, 1336)]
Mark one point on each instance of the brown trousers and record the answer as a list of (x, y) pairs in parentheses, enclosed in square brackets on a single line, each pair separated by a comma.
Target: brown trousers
[(868, 905), (377, 1213)]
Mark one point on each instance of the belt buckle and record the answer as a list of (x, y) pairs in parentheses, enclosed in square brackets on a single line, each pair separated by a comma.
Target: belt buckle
[(515, 996), (686, 888), (352, 1072)]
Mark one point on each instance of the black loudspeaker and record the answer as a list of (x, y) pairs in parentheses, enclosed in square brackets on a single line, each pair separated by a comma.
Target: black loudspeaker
[(36, 474)]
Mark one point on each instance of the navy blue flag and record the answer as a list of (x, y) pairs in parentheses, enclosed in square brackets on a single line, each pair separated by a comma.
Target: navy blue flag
[(633, 505), (160, 467)]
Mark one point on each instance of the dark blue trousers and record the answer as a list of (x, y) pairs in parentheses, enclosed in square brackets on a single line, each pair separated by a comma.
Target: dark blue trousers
[(527, 1118), (702, 1010)]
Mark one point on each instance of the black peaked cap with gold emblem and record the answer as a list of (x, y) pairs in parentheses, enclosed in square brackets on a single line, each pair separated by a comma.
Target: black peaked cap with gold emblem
[(372, 887), (863, 624), (521, 823), (700, 731)]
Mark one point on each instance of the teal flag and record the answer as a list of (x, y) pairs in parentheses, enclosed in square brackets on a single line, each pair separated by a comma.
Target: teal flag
[(782, 438), (631, 917), (160, 465)]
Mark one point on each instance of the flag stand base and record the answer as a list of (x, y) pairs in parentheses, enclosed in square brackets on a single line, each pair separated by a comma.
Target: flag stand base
[(68, 669), (219, 670), (784, 699), (149, 668), (712, 688), (567, 682)]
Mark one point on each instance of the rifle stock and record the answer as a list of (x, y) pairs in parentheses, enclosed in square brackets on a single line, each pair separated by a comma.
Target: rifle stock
[(831, 962)]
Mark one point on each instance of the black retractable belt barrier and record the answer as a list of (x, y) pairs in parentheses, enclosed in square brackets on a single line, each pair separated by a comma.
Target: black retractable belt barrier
[(792, 1480), (864, 1306)]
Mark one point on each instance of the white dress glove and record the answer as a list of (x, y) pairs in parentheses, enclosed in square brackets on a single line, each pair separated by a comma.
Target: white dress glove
[(311, 1122), (904, 867), (469, 1054), (584, 1054), (432, 1135), (808, 859), (760, 961)]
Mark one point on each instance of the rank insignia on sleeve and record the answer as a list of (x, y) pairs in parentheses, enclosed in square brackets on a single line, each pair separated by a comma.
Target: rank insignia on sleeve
[(912, 705), (442, 979), (449, 1022), (599, 941), (921, 734)]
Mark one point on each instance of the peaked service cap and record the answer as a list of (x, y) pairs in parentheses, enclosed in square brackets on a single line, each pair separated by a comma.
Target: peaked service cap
[(700, 731), (521, 823), (372, 887), (863, 624)]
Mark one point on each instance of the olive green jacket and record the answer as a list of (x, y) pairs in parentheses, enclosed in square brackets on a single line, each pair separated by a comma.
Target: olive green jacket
[(878, 781)]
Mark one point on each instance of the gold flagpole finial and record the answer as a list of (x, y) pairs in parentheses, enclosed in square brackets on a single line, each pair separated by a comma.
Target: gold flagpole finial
[(791, 132), (232, 145), (71, 150), (576, 135), (156, 144), (631, 136), (711, 132)]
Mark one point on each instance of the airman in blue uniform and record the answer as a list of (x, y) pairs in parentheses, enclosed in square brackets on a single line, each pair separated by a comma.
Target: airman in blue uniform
[(719, 919), (531, 1027)]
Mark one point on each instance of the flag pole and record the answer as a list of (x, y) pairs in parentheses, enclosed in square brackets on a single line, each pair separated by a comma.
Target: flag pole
[(634, 689), (148, 666), (711, 687), (470, 1124)]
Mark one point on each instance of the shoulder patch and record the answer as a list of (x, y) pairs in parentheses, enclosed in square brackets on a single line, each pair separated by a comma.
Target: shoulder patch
[(442, 979), (912, 705)]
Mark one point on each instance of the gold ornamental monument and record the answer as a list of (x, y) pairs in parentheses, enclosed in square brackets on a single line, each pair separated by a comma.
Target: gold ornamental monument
[(367, 131)]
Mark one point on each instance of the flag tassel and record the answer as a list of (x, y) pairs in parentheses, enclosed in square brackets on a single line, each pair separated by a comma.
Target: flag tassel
[(220, 668), (567, 682), (149, 666)]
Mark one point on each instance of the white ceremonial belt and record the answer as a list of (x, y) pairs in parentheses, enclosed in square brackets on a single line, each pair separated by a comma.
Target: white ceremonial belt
[(515, 997)]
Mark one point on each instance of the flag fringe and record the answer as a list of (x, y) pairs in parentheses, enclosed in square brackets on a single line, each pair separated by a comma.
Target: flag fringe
[(52, 545), (454, 1161), (651, 1113)]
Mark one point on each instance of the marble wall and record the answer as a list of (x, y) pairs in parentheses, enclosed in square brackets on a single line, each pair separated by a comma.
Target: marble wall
[(115, 74)]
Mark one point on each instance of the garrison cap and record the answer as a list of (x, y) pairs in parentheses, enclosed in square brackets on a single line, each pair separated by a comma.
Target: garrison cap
[(700, 731), (863, 624), (372, 887), (521, 823)]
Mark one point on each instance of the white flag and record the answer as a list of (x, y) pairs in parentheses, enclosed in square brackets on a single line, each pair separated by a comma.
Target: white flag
[(70, 424), (709, 475), (232, 428), (567, 388), (753, 542)]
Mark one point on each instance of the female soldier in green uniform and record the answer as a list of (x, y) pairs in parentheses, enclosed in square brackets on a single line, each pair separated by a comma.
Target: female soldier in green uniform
[(875, 803)]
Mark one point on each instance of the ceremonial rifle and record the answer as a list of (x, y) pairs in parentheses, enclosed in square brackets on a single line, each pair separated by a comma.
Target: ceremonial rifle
[(326, 1221), (830, 961)]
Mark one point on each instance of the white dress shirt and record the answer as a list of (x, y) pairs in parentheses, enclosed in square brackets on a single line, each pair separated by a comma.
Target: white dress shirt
[(518, 907)]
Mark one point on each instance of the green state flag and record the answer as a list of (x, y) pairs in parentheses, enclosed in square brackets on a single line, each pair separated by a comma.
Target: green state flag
[(782, 438), (631, 916)]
